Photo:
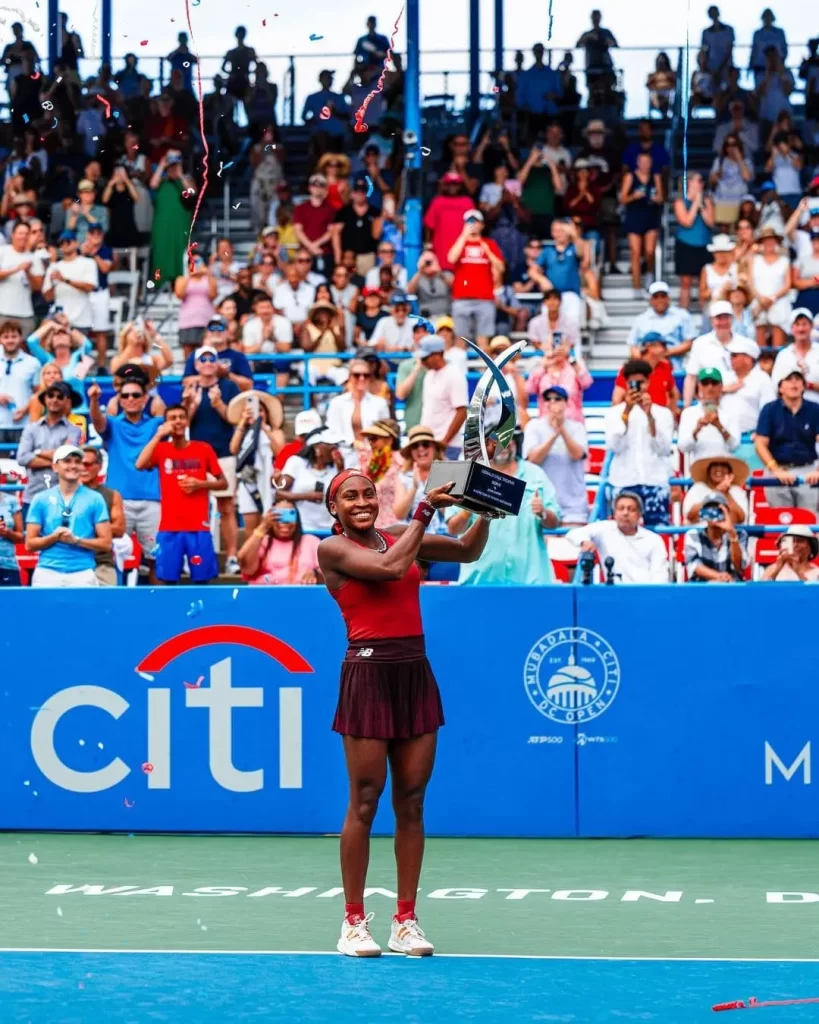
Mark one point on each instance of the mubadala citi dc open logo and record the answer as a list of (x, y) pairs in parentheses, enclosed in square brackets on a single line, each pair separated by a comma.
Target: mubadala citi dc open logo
[(571, 675)]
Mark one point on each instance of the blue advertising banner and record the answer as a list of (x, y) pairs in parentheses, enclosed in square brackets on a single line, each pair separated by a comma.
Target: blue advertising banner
[(710, 712), (209, 710)]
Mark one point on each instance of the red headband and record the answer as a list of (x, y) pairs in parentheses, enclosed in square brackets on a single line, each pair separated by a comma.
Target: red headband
[(338, 480)]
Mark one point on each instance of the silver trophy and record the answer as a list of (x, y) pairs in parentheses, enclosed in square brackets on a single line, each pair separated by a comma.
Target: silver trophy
[(479, 487)]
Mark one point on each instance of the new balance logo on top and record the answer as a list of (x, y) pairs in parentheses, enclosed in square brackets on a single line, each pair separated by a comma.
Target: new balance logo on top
[(365, 652)]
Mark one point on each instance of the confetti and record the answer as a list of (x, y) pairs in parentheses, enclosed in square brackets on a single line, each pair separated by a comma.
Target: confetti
[(360, 124), (60, 914), (196, 560), (188, 192), (186, 64), (148, 284), (33, 858), (146, 675), (196, 685), (223, 167), (147, 767), (203, 927), (235, 593), (325, 114), (105, 103), (314, 38), (27, 782), (144, 42), (100, 746), (82, 743), (425, 151), (236, 207), (129, 803), (196, 608), (369, 185), (264, 22), (36, 75)]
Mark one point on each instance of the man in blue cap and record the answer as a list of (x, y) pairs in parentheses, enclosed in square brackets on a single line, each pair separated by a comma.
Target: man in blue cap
[(393, 333), (445, 396), (674, 324)]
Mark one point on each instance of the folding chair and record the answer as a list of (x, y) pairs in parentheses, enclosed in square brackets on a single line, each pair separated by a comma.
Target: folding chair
[(126, 279)]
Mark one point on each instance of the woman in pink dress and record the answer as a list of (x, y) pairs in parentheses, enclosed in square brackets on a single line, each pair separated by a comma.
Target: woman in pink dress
[(277, 552), (380, 462)]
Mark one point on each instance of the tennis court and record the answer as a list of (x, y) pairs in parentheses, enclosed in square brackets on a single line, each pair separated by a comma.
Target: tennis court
[(547, 930)]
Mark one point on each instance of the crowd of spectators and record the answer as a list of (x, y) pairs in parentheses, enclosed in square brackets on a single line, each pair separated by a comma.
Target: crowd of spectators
[(520, 231)]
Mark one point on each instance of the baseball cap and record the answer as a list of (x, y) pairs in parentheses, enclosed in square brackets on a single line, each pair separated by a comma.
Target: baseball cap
[(430, 345), (173, 158), (205, 349), (721, 308), (305, 421), (360, 185), (647, 339), (556, 389), (65, 451), (67, 236), (743, 347), (473, 215), (86, 185), (714, 498), (710, 373), (813, 205), (217, 323), (767, 186), (801, 311), (325, 436), (269, 230), (444, 321), (452, 178), (369, 290), (133, 372), (659, 287), (400, 299), (319, 179), (95, 228)]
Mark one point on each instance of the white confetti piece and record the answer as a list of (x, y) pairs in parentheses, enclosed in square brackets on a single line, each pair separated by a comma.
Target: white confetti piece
[(59, 911), (82, 743), (100, 746), (146, 675), (35, 792), (33, 858), (27, 782), (235, 593)]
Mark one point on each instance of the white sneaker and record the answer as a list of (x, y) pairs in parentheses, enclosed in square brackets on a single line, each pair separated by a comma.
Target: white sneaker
[(408, 937), (232, 567), (356, 940)]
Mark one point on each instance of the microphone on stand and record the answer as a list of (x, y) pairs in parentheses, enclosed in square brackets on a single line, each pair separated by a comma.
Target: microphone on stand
[(609, 564), (586, 567)]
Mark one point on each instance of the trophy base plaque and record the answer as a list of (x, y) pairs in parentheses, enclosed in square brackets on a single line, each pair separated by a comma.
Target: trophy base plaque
[(478, 487)]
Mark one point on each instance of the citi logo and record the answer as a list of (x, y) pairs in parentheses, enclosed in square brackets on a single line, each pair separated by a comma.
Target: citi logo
[(218, 699)]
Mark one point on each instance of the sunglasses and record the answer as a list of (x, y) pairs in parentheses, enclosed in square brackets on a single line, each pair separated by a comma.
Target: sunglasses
[(207, 359), (54, 394), (553, 398), (304, 259), (361, 375), (421, 444), (130, 394)]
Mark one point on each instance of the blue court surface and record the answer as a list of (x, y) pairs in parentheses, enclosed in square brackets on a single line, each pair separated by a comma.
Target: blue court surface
[(204, 988)]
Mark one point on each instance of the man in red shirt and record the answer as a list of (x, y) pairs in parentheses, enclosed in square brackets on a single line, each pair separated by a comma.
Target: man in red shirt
[(478, 267), (444, 218), (661, 384), (184, 527), (311, 222)]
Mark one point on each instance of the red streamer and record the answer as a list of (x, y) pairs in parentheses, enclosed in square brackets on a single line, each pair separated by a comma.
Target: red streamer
[(203, 190), (755, 1004), (360, 125), (105, 102)]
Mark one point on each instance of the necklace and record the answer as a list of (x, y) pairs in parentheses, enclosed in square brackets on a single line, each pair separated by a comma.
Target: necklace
[(382, 544)]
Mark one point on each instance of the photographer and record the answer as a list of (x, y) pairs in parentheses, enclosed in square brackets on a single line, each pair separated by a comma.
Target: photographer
[(638, 432), (478, 263), (174, 201), (121, 197), (278, 551), (798, 548), (718, 553)]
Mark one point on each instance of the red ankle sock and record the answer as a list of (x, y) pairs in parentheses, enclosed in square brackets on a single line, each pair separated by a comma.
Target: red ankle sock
[(405, 911), (353, 912)]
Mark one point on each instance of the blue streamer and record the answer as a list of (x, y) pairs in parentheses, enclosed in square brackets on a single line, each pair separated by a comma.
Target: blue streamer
[(551, 22)]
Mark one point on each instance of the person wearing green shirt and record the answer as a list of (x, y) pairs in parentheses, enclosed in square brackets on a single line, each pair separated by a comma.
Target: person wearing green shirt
[(409, 383), (516, 553)]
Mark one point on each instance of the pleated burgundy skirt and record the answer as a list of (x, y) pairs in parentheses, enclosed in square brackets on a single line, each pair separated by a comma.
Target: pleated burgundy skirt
[(388, 691)]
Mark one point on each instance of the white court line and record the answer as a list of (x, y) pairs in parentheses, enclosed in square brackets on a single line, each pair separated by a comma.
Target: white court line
[(453, 956)]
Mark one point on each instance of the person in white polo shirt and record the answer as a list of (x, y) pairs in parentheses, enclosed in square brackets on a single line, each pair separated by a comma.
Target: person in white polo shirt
[(69, 283), (445, 396), (394, 333), (802, 354), (711, 349), (21, 273), (708, 427), (67, 525), (639, 555), (744, 399)]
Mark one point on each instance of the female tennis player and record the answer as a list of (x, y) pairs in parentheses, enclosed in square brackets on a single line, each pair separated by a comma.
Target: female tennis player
[(389, 708)]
